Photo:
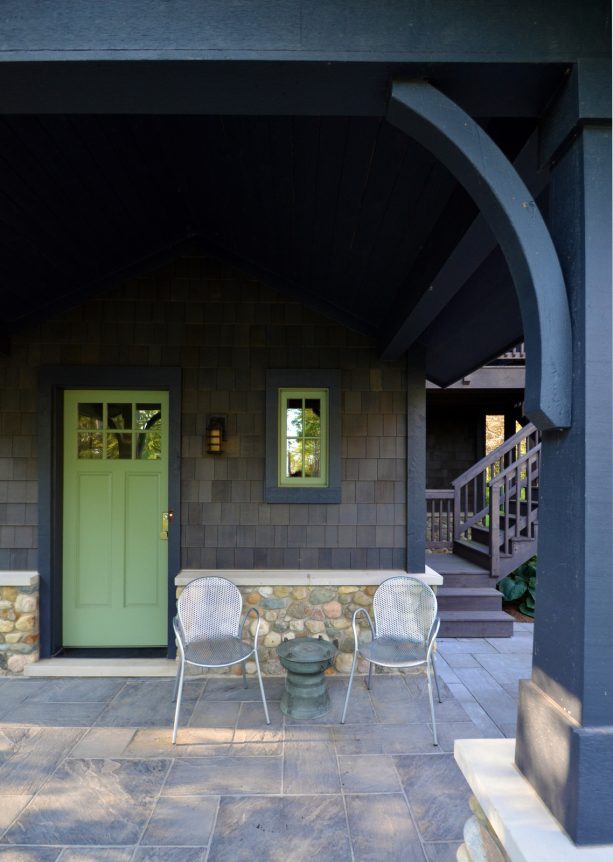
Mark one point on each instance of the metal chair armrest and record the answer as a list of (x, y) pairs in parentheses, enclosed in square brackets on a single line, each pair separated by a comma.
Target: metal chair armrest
[(432, 636), (257, 628), (178, 629), (355, 628)]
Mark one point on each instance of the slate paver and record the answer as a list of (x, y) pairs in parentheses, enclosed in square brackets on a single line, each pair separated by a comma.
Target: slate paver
[(104, 742), (442, 851), (169, 854), (29, 755), (96, 854), (10, 808), (86, 802), (29, 854), (437, 793), (76, 690), (56, 714), (224, 775), (300, 828), (368, 774), (148, 703), (381, 829), (181, 820), (116, 790)]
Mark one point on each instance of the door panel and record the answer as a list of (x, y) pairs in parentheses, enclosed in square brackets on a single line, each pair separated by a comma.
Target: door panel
[(93, 539), (115, 558), (142, 510)]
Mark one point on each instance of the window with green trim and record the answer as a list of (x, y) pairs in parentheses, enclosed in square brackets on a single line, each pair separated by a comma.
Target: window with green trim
[(303, 435), (303, 438)]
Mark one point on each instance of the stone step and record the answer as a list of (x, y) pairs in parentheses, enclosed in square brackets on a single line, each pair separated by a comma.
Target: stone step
[(468, 598), (475, 624), (102, 667)]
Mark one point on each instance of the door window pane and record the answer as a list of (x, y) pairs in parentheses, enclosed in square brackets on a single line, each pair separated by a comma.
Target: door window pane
[(149, 446), (90, 417), (148, 416), (89, 445), (120, 430), (118, 446), (119, 416)]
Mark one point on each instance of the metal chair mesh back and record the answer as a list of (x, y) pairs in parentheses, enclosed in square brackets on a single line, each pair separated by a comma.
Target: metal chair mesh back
[(210, 609), (404, 608)]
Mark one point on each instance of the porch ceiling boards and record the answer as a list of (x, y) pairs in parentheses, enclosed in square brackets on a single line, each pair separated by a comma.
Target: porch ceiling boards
[(345, 213)]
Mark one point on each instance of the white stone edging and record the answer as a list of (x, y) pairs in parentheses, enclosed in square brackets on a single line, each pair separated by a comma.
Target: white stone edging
[(305, 577), (18, 579), (522, 823)]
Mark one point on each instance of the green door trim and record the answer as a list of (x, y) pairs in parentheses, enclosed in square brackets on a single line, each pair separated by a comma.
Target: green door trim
[(52, 381)]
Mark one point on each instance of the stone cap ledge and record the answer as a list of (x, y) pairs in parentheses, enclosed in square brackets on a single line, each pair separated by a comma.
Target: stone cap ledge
[(18, 579), (306, 577), (524, 826)]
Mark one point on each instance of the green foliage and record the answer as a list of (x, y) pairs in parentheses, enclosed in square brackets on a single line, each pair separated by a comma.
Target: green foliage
[(520, 586)]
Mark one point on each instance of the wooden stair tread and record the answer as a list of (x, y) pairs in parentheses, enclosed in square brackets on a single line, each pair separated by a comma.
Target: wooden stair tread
[(468, 591), (475, 616)]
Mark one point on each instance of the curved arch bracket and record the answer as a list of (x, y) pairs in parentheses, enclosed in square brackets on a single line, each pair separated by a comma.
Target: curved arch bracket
[(442, 127)]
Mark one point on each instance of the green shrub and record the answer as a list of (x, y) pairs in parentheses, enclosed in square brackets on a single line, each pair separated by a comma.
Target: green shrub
[(520, 586)]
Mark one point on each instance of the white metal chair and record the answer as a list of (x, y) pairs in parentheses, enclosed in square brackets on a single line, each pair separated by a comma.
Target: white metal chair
[(210, 633), (404, 632)]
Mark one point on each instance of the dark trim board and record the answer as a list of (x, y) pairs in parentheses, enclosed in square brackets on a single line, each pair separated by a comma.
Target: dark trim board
[(328, 30), (52, 381)]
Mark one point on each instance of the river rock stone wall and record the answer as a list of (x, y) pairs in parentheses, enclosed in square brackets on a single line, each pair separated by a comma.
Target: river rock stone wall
[(302, 611), (18, 628)]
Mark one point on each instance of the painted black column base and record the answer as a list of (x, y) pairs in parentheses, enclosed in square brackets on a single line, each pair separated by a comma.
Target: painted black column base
[(569, 766)]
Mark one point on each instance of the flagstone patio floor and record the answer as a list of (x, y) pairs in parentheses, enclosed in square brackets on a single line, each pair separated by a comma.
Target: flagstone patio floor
[(88, 772)]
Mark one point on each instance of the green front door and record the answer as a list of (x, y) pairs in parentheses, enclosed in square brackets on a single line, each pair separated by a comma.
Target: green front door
[(115, 549)]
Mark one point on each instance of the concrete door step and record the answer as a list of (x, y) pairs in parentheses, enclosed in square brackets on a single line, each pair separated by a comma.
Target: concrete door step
[(101, 667)]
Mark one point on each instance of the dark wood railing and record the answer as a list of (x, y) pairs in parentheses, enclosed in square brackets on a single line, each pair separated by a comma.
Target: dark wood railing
[(439, 519), (513, 495), (517, 353), (471, 489), (497, 497)]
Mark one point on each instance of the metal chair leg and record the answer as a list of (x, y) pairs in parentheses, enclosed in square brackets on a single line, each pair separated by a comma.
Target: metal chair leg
[(431, 705), (355, 661), (257, 665), (178, 696), (438, 691), (179, 663), (244, 667), (369, 682)]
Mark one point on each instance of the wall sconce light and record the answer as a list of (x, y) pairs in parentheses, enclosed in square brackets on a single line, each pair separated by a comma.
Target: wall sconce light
[(215, 435)]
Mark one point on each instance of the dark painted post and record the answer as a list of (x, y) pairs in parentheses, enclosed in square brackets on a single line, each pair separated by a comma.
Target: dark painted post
[(565, 725), (416, 460)]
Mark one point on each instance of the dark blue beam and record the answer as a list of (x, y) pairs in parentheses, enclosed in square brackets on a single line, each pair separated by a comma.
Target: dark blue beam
[(469, 153), (395, 31)]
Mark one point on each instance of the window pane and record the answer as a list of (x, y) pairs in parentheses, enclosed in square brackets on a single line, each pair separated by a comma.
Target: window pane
[(89, 445), (90, 416), (149, 446), (312, 458), (294, 458), (294, 417), (118, 446), (312, 417), (148, 416), (119, 416)]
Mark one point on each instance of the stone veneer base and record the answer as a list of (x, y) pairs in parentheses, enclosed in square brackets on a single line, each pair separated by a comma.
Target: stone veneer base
[(516, 814), (19, 621), (294, 603)]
